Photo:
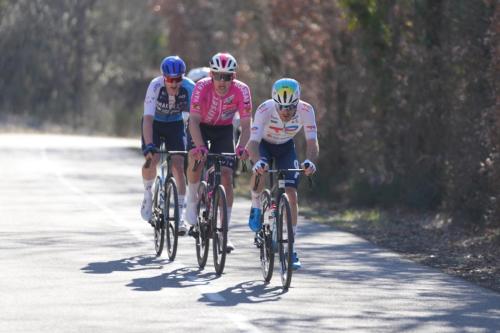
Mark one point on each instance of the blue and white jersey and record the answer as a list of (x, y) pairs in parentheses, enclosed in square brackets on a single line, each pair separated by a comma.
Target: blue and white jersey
[(167, 108)]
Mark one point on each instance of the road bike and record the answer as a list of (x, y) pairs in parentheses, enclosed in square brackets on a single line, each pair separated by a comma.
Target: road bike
[(276, 233), (212, 214), (165, 212)]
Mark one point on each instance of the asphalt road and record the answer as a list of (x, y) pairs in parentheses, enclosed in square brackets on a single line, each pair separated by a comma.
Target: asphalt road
[(76, 257)]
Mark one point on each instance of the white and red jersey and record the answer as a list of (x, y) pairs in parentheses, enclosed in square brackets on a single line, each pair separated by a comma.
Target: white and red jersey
[(268, 125), (220, 110)]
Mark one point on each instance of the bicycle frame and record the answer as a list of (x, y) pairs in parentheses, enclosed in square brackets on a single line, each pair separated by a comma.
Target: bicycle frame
[(166, 220), (212, 199), (271, 237)]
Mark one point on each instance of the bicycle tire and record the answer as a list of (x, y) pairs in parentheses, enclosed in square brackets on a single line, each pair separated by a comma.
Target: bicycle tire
[(158, 217), (266, 248), (285, 240), (219, 229), (202, 239), (171, 213)]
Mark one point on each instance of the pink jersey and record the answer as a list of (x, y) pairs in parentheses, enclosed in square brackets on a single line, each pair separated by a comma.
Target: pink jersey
[(220, 110)]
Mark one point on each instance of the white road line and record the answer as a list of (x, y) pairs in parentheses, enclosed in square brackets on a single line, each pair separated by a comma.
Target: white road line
[(208, 290), (109, 213)]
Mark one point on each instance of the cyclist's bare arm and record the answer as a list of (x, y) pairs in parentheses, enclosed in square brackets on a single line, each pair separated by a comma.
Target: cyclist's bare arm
[(147, 129), (245, 124), (253, 150), (194, 129), (312, 149)]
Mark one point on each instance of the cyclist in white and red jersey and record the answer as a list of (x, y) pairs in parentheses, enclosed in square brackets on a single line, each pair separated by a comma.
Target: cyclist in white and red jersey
[(167, 99), (214, 103), (276, 122)]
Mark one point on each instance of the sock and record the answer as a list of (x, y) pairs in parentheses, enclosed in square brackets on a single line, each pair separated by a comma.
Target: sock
[(192, 191), (229, 211), (182, 204), (294, 228), (148, 184), (256, 200)]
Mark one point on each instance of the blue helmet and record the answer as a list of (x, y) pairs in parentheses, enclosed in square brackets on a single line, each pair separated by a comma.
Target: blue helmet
[(173, 66)]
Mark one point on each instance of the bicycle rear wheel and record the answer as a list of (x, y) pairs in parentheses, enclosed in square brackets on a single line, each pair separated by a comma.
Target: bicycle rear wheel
[(171, 213), (201, 231), (265, 234), (219, 229), (158, 216), (285, 240)]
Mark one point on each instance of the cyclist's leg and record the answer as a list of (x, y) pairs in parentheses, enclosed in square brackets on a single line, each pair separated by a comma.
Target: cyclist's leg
[(221, 138), (287, 159), (149, 174), (176, 140), (193, 180), (254, 220)]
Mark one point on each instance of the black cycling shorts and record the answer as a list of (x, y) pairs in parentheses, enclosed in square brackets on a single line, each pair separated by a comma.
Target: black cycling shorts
[(218, 139), (284, 157), (172, 133)]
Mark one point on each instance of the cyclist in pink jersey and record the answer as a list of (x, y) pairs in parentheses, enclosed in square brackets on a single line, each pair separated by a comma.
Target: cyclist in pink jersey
[(214, 103)]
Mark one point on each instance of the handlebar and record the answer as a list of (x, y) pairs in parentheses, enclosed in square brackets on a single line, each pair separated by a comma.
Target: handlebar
[(168, 152), (258, 176), (214, 155)]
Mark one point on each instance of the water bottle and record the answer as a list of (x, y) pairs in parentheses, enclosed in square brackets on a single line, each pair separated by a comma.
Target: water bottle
[(272, 221)]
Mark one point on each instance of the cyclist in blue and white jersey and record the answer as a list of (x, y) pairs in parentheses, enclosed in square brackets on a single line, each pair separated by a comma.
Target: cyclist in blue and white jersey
[(167, 98), (275, 123)]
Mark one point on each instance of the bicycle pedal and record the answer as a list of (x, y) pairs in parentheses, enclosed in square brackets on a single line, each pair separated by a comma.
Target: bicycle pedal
[(193, 233)]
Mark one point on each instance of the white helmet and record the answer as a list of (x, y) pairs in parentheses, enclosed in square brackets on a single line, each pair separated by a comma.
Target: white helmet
[(223, 63), (198, 73)]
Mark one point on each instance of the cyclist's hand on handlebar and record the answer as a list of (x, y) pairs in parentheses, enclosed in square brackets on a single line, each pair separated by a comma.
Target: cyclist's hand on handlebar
[(149, 150), (309, 167), (241, 153), (200, 152), (260, 167)]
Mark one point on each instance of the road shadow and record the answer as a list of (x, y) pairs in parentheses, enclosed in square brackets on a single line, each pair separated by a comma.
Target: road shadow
[(346, 266), (180, 278), (254, 291), (135, 263)]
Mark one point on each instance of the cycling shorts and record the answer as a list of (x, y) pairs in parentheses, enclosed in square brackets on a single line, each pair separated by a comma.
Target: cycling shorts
[(284, 157), (172, 133), (221, 141)]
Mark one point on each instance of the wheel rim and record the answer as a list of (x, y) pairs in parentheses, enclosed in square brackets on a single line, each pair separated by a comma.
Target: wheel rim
[(219, 232), (202, 240), (171, 212)]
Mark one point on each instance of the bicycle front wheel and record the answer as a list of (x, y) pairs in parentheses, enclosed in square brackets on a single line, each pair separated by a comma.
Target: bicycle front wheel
[(201, 229), (171, 213), (285, 240), (158, 216), (219, 229), (265, 234)]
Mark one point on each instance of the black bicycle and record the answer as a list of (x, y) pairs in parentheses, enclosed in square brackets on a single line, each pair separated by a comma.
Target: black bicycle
[(212, 214), (276, 233), (165, 217)]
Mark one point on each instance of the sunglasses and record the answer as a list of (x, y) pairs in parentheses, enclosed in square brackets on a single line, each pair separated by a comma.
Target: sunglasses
[(289, 107), (222, 76), (171, 79)]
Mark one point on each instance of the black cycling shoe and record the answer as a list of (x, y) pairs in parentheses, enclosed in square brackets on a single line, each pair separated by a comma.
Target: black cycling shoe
[(192, 232)]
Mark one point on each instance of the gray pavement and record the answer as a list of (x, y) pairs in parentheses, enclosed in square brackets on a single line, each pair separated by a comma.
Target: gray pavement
[(76, 257)]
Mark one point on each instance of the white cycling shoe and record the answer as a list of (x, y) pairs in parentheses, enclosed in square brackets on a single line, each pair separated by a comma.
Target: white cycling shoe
[(229, 246), (183, 228), (147, 206)]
